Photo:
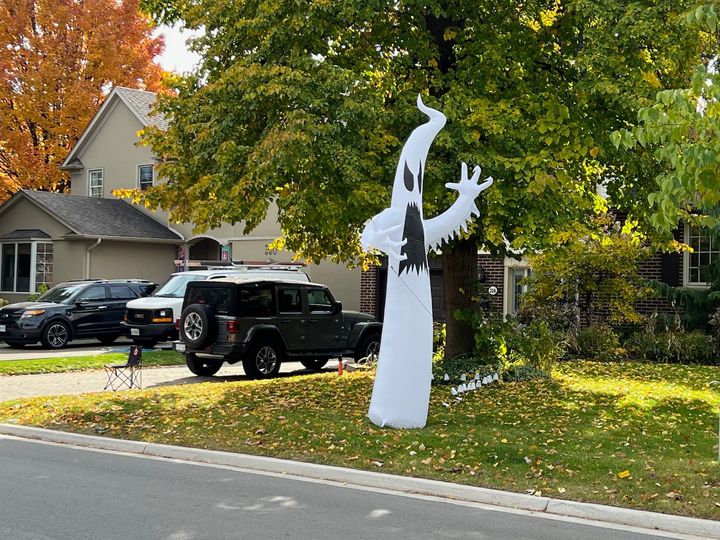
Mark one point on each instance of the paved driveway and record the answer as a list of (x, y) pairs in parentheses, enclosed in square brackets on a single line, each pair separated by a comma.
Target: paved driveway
[(19, 386)]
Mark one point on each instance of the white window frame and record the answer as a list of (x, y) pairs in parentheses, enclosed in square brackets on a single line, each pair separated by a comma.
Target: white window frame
[(714, 252), (102, 182), (508, 295), (33, 264), (139, 175)]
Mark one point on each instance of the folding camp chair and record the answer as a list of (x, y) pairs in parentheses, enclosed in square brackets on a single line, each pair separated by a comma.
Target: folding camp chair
[(129, 374)]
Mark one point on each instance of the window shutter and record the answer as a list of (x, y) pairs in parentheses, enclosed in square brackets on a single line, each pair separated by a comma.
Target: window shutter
[(670, 269)]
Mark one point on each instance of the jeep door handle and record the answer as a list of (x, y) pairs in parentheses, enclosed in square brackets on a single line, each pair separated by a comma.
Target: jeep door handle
[(102, 307)]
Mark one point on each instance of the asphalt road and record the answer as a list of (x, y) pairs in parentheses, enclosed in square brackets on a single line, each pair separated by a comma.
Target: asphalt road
[(60, 492)]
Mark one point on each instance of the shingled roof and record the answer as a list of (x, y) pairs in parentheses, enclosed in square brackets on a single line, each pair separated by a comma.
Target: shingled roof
[(141, 103), (97, 217)]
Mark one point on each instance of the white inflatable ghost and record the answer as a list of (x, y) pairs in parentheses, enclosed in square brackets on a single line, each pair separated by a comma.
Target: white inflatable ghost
[(401, 394)]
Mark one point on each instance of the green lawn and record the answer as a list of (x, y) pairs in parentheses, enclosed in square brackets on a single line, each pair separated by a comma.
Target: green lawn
[(79, 363), (634, 435)]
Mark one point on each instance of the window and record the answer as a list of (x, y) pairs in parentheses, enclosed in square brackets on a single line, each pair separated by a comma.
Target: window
[(95, 183), (319, 301), (256, 302), (145, 176), (94, 293), (705, 250), (290, 301), (517, 288), (16, 262), (43, 264), (121, 292), (216, 297)]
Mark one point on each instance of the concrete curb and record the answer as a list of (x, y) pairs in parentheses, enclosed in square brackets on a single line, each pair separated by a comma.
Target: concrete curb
[(620, 516)]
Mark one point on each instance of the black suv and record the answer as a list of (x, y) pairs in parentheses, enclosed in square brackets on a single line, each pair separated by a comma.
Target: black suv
[(265, 322), (75, 309)]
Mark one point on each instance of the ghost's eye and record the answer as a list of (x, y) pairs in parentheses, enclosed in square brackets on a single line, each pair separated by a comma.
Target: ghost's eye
[(420, 176), (409, 180)]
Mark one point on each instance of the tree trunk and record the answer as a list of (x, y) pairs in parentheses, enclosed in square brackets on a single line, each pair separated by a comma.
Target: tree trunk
[(459, 286)]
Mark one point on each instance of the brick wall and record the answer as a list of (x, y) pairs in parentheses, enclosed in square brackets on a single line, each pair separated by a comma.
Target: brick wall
[(370, 286), (494, 271), (368, 291)]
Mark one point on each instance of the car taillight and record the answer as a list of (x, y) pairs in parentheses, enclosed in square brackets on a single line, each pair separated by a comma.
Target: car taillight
[(177, 324), (232, 327)]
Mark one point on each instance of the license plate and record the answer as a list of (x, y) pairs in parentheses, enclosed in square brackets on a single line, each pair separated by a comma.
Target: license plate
[(134, 331), (180, 347), (2, 328)]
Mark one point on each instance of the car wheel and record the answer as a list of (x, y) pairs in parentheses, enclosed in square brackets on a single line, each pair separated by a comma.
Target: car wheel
[(370, 347), (55, 335), (148, 343), (197, 326), (263, 360), (16, 344), (204, 367), (314, 365), (108, 340)]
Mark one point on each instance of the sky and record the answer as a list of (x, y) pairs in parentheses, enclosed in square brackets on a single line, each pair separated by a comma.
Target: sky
[(176, 57)]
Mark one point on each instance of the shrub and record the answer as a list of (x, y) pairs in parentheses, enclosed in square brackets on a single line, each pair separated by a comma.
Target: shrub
[(559, 316), (597, 343), (676, 347), (507, 344), (696, 348)]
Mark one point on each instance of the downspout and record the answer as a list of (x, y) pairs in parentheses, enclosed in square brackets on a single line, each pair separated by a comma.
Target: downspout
[(87, 257), (185, 246)]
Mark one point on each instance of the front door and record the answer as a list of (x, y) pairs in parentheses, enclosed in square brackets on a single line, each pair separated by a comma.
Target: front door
[(291, 317), (325, 329), (88, 315)]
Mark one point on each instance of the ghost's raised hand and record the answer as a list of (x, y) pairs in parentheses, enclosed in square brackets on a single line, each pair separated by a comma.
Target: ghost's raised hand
[(469, 187), (379, 231)]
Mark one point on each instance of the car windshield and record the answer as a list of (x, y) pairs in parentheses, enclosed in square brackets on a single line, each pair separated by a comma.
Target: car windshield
[(175, 286), (60, 294)]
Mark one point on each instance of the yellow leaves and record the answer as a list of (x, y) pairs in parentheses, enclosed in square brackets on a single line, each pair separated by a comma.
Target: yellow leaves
[(624, 474)]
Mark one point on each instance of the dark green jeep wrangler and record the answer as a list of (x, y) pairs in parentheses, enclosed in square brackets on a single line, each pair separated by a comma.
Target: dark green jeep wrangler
[(266, 322)]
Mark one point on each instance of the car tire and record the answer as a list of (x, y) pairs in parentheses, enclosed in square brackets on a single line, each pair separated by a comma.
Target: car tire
[(314, 365), (16, 344), (263, 359), (55, 335), (203, 367), (370, 346), (147, 343), (197, 326), (108, 340)]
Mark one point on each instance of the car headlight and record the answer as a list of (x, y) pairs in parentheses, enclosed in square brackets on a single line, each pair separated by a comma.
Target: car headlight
[(163, 316), (31, 313)]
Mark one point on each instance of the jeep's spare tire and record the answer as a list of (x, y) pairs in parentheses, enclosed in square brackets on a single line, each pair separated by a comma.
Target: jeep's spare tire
[(197, 326)]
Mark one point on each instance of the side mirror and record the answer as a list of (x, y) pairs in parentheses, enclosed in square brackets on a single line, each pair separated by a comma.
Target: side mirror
[(337, 307)]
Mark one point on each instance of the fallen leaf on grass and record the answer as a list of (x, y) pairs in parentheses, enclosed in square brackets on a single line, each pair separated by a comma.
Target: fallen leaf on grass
[(674, 496), (624, 474)]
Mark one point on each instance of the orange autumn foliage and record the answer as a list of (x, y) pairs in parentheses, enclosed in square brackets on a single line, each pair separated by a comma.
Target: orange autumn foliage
[(58, 58)]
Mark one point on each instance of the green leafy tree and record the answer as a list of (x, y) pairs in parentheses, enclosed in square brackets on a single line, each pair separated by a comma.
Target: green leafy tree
[(306, 104), (595, 267), (680, 130)]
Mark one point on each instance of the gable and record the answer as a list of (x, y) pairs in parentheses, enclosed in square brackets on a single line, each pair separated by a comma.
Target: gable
[(23, 214)]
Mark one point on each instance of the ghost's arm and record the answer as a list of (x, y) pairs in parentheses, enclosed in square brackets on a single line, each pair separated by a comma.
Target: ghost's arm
[(379, 232), (448, 224)]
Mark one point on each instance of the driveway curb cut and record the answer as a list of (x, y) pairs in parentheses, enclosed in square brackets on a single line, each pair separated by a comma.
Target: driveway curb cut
[(703, 528)]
